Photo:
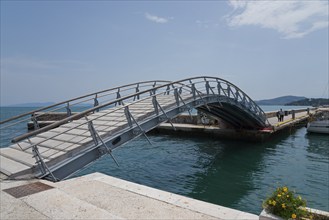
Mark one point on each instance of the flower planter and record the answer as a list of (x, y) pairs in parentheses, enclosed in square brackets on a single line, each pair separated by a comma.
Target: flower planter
[(264, 215), (318, 215)]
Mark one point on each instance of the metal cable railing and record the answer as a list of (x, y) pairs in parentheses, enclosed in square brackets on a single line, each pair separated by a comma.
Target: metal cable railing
[(134, 108), (216, 86), (81, 103)]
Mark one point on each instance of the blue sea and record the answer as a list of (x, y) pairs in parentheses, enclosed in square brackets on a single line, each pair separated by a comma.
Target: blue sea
[(234, 174)]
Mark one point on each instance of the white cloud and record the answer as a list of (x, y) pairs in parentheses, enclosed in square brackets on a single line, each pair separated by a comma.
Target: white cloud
[(293, 19), (156, 19), (206, 24)]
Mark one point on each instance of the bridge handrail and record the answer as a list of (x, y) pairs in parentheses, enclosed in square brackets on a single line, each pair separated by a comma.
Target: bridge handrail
[(9, 127), (85, 113), (180, 82), (140, 84)]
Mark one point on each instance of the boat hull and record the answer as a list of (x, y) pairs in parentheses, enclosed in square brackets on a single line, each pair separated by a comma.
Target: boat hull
[(318, 127)]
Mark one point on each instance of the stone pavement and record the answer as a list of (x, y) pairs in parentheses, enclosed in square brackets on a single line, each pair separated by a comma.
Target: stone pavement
[(98, 196)]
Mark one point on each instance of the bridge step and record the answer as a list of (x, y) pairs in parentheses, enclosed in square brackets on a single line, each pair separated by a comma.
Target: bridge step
[(18, 156), (3, 177), (9, 166)]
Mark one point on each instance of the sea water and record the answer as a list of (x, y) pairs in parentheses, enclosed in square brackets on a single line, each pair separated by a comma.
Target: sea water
[(235, 174)]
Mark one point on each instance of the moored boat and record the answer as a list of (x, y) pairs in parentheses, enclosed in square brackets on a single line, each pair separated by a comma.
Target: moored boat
[(320, 124)]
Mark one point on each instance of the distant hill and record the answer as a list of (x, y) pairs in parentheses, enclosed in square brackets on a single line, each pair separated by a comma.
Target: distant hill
[(310, 102), (44, 104), (32, 104), (283, 100)]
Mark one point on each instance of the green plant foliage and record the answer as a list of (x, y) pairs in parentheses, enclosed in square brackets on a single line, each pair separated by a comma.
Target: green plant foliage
[(285, 204)]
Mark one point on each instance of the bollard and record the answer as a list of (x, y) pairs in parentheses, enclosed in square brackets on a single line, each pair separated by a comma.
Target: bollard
[(293, 114)]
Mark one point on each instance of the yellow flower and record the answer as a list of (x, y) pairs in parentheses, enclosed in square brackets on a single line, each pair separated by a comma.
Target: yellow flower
[(300, 198), (285, 189), (279, 195), (287, 196), (273, 202), (293, 216), (270, 202), (283, 205)]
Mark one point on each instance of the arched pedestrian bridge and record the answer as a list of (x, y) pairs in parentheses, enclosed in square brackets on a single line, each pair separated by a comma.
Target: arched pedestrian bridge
[(114, 117)]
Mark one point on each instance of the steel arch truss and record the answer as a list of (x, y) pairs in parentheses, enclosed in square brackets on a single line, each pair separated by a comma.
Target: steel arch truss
[(111, 124)]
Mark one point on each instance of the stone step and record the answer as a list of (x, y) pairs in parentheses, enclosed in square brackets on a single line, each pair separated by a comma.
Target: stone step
[(19, 156), (9, 167), (3, 176), (61, 205), (144, 202)]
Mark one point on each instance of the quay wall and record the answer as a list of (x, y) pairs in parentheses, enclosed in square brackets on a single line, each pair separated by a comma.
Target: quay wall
[(288, 112), (214, 128)]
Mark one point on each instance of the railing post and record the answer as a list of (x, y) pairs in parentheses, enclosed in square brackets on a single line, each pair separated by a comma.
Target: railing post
[(96, 103), (41, 164), (137, 91), (167, 90), (207, 87), (96, 136), (155, 105), (35, 122), (228, 90), (293, 114), (244, 100), (219, 88), (176, 96), (128, 116), (118, 97), (38, 160), (237, 95), (68, 110), (154, 90), (193, 91), (92, 131)]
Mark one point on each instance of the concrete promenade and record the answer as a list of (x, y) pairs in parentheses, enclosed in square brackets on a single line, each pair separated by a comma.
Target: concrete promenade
[(98, 196), (289, 120), (221, 131)]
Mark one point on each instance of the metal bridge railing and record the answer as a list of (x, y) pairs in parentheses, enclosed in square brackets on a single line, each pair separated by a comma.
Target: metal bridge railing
[(14, 126), (195, 86), (161, 99)]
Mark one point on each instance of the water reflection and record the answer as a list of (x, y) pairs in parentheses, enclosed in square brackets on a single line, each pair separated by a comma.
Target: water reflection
[(228, 175), (318, 144)]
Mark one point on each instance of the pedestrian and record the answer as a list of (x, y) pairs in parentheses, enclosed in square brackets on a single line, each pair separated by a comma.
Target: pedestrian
[(278, 115), (281, 114)]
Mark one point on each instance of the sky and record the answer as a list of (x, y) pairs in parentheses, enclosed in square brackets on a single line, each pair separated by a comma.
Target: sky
[(52, 51)]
